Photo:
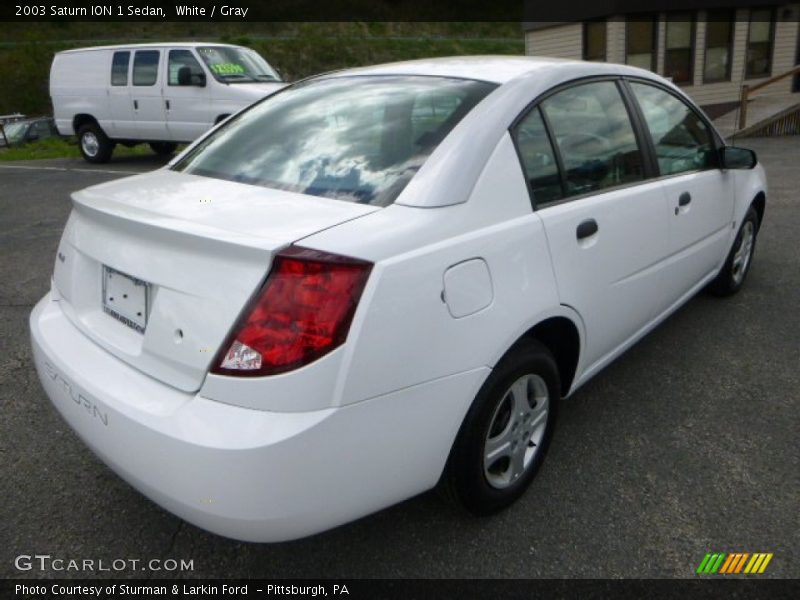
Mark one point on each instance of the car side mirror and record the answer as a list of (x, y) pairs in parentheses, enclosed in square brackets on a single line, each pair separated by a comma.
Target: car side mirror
[(200, 79), (737, 158)]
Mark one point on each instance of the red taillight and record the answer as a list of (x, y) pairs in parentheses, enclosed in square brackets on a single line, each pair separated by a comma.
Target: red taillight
[(303, 312)]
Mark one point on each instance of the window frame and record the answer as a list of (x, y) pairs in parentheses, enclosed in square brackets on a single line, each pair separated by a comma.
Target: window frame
[(692, 45), (585, 40), (771, 52), (731, 27), (653, 22), (127, 68), (716, 141), (158, 67), (643, 140)]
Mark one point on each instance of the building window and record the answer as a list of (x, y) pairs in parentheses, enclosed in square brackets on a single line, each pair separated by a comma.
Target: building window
[(679, 56), (719, 46), (640, 43), (594, 41), (759, 44)]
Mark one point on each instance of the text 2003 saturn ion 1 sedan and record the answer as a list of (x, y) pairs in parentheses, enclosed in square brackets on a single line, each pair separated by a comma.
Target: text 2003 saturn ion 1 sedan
[(384, 278)]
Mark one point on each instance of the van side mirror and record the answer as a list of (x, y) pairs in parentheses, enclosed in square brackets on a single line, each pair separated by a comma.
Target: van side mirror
[(185, 76), (200, 79), (737, 158)]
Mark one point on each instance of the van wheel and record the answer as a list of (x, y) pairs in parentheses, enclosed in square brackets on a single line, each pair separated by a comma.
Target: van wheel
[(506, 432), (163, 148), (733, 273), (94, 143)]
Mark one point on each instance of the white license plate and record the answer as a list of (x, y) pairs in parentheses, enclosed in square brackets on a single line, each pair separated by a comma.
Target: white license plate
[(125, 298)]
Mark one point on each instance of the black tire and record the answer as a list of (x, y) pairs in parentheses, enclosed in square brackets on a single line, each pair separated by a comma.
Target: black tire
[(475, 481), (94, 144), (734, 272), (163, 148)]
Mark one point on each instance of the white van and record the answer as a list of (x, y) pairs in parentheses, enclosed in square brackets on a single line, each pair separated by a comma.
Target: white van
[(161, 94)]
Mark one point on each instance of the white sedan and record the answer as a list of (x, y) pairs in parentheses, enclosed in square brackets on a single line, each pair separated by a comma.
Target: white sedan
[(383, 279)]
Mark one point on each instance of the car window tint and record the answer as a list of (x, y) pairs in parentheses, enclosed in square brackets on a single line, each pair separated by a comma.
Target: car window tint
[(145, 67), (179, 59), (682, 140), (359, 139), (119, 68), (595, 137), (538, 159)]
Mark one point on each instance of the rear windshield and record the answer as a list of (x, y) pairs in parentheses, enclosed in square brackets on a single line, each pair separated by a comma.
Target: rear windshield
[(359, 139)]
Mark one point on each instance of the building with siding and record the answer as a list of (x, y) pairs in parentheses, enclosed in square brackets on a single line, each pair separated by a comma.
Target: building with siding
[(709, 53)]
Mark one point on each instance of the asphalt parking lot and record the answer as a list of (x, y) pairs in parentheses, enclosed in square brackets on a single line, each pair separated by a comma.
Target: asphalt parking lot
[(687, 444)]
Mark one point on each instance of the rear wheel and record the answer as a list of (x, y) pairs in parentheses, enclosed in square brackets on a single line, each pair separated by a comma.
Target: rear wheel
[(733, 273), (506, 432), (163, 148), (94, 143)]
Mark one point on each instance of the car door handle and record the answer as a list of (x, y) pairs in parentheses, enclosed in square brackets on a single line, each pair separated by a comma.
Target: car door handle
[(167, 103), (684, 199), (586, 229), (135, 105)]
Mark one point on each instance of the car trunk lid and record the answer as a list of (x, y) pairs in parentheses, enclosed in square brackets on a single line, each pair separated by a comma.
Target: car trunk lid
[(200, 247)]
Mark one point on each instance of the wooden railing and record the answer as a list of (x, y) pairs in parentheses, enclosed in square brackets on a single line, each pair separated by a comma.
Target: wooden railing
[(748, 89)]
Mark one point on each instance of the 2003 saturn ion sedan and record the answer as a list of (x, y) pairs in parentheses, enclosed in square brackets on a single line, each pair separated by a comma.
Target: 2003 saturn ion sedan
[(382, 279)]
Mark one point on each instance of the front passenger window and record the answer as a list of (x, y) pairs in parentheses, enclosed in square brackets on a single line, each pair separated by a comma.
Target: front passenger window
[(183, 68), (595, 137), (682, 140)]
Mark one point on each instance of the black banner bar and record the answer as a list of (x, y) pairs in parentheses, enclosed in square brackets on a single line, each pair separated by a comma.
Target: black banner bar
[(350, 10), (405, 589)]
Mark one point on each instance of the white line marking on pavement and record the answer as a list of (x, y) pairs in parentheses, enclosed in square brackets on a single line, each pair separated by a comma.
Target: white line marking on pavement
[(68, 169)]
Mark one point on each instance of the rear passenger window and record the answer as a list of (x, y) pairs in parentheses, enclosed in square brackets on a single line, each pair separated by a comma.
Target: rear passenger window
[(595, 137), (538, 160), (119, 68), (145, 67), (682, 140)]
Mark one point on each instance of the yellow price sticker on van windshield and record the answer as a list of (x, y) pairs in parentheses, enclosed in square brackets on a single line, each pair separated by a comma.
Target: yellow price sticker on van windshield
[(227, 69)]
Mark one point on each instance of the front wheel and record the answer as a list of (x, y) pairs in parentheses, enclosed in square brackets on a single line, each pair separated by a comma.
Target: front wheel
[(733, 273), (506, 432), (94, 143)]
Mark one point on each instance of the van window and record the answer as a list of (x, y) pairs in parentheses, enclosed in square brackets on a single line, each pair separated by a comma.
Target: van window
[(145, 67), (178, 59), (230, 64), (119, 68)]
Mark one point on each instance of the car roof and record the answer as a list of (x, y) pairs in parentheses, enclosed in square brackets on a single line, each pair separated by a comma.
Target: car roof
[(492, 68), (148, 45)]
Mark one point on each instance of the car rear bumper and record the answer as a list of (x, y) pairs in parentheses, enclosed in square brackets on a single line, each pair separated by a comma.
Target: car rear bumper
[(244, 473)]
